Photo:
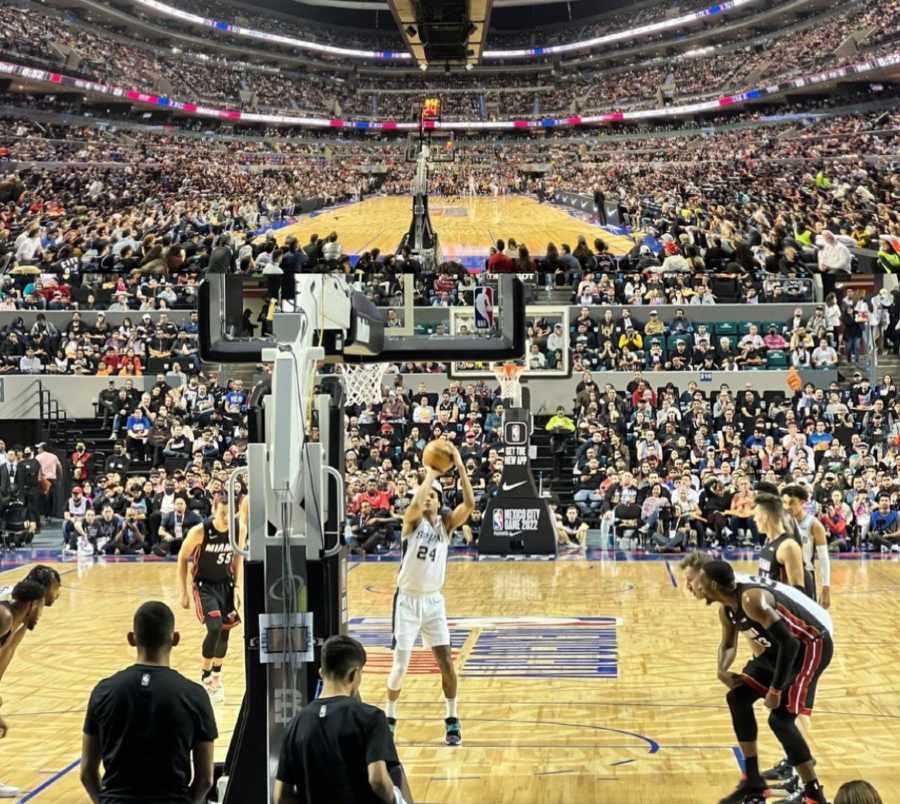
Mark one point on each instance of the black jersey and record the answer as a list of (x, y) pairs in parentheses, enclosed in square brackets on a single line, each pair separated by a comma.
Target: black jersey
[(807, 620), (769, 565), (214, 558)]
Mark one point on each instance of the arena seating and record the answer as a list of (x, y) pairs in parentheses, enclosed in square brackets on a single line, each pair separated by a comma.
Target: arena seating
[(100, 268)]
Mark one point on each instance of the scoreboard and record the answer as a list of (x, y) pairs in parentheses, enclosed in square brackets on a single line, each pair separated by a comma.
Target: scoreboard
[(431, 109)]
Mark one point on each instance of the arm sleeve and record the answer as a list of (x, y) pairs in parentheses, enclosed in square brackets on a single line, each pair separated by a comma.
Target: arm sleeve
[(824, 560), (788, 648)]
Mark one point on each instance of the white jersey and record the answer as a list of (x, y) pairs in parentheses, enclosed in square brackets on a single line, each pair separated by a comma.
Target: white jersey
[(804, 531), (423, 567)]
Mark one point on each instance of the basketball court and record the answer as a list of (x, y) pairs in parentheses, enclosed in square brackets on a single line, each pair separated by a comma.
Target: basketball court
[(580, 681), (468, 226)]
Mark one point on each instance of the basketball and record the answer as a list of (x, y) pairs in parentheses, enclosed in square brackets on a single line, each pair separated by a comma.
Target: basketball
[(438, 455)]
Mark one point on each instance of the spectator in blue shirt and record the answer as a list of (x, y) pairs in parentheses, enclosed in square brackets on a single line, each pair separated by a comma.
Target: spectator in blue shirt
[(138, 427), (883, 523)]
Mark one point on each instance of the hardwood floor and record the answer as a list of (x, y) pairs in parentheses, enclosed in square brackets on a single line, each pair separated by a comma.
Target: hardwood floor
[(579, 682)]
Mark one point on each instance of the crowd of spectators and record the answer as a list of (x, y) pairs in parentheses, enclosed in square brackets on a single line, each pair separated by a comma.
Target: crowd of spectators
[(171, 451), (672, 469), (194, 75), (653, 467)]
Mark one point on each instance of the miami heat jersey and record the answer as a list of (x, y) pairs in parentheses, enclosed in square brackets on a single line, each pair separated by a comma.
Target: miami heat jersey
[(214, 557), (424, 563), (805, 619), (769, 565)]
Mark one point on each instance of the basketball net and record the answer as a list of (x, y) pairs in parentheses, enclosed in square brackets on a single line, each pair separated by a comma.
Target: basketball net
[(362, 382), (508, 375)]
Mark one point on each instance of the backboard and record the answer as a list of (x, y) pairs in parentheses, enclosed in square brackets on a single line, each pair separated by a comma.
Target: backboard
[(546, 347), (357, 326), (441, 144)]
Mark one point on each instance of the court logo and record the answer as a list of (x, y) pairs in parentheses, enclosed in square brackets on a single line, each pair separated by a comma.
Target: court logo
[(506, 647)]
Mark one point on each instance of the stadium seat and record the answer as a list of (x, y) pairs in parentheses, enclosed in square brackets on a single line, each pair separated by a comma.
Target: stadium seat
[(776, 359), (673, 340), (725, 328)]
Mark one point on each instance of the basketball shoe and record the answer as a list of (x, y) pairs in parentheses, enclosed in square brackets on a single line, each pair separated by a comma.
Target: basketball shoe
[(747, 792), (8, 791), (453, 735), (392, 724)]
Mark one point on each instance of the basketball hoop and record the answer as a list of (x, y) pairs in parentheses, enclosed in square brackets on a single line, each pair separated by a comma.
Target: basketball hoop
[(363, 382), (508, 375)]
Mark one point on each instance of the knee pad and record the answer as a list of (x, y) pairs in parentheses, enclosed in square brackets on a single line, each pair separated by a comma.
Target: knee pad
[(398, 668), (740, 702), (784, 726)]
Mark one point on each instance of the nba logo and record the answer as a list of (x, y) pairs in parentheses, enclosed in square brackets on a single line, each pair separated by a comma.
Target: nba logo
[(514, 434), (484, 308), (498, 519)]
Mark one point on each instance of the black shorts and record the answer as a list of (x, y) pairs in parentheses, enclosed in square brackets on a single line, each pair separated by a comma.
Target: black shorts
[(215, 601), (809, 584), (800, 695)]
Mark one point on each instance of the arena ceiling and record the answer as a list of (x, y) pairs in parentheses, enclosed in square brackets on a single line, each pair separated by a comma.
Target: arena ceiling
[(506, 15)]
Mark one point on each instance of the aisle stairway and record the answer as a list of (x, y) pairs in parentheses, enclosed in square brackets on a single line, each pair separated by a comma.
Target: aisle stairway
[(561, 488)]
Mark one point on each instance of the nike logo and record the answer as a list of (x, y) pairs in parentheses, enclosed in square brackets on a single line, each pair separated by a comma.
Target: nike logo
[(508, 487)]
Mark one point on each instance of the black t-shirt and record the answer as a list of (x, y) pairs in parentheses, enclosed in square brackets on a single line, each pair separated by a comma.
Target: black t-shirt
[(147, 720), (328, 747)]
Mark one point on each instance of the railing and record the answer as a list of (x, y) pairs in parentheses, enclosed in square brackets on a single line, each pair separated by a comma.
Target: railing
[(48, 406), (49, 411)]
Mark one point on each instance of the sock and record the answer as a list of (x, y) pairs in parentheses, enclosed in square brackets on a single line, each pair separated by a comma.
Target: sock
[(216, 669), (813, 788), (391, 709), (752, 766), (451, 706), (206, 674)]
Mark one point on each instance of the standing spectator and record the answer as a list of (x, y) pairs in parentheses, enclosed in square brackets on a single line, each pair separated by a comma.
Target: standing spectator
[(834, 260), (338, 748), (29, 484), (148, 724), (51, 469), (80, 461)]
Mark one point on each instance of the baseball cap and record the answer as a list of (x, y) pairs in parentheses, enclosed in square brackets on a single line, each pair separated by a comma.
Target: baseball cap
[(77, 490)]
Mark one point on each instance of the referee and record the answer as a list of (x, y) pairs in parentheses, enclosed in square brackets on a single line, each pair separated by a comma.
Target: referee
[(339, 749), (147, 723)]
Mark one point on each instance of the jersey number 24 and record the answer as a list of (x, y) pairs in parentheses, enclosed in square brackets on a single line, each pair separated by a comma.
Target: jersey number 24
[(423, 553)]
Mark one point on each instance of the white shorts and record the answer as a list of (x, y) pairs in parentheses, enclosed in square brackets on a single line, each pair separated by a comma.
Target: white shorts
[(415, 614)]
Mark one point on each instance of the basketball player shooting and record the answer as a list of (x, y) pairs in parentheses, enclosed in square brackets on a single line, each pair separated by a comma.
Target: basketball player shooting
[(216, 570), (418, 602)]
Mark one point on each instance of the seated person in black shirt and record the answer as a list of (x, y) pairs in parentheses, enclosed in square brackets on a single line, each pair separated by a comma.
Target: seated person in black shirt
[(339, 749), (147, 722)]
